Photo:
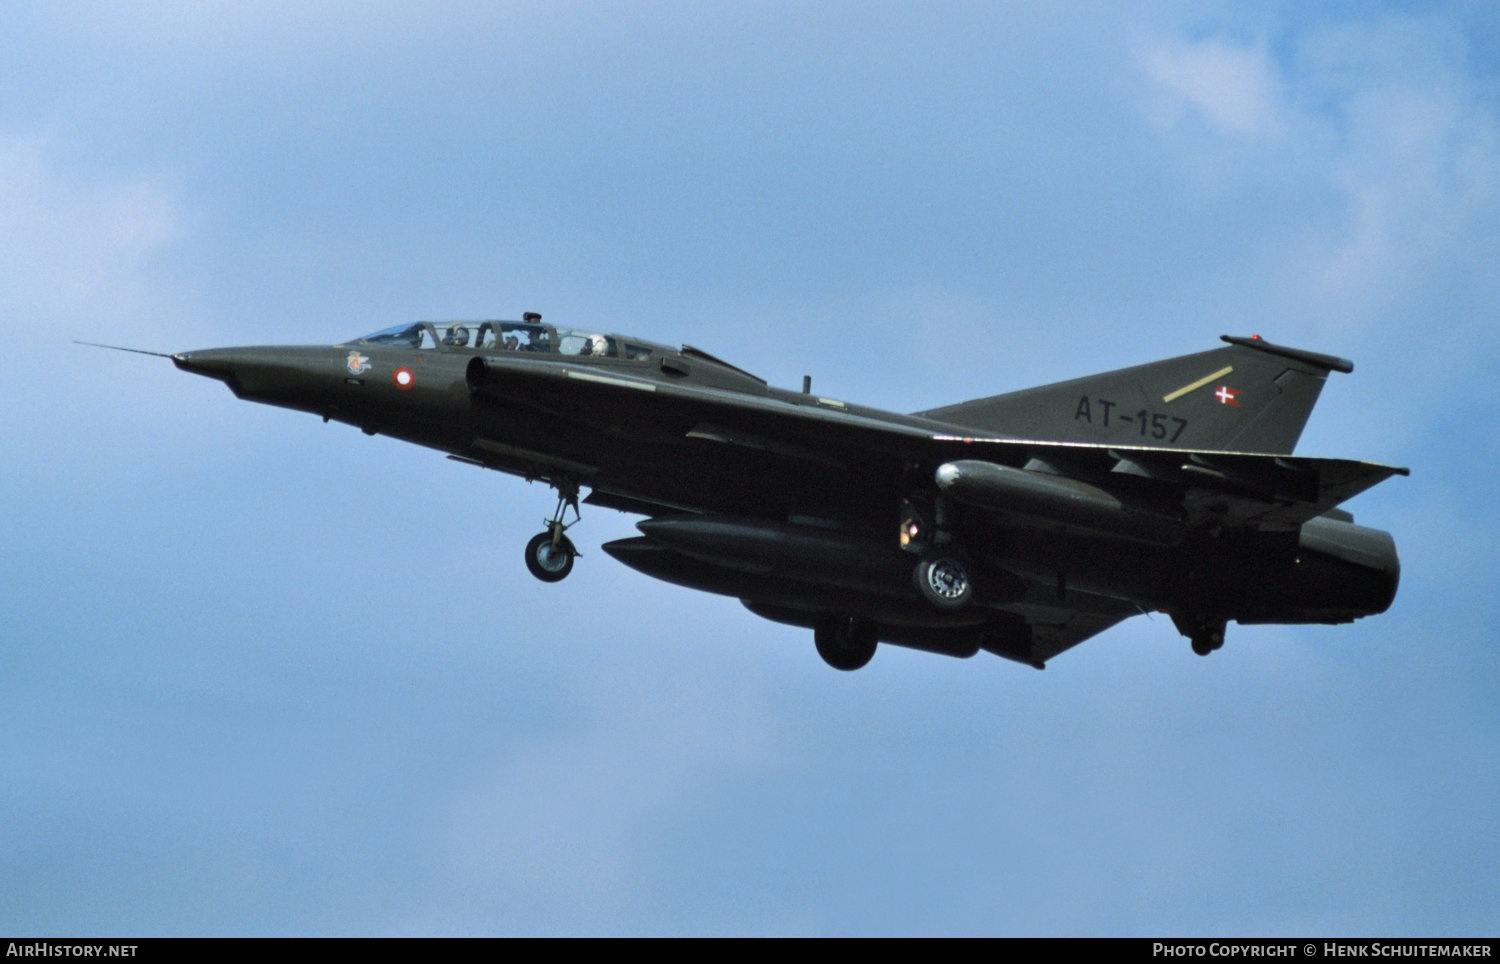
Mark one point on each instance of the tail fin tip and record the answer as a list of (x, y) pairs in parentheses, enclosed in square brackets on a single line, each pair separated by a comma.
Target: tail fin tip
[(1331, 362)]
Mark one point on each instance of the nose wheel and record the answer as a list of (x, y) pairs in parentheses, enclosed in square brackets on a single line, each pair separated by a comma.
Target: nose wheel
[(550, 553), (549, 556)]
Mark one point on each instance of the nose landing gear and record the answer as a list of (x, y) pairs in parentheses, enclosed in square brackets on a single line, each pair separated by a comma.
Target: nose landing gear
[(550, 553)]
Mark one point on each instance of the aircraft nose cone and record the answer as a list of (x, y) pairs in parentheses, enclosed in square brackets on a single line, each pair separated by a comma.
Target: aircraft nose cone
[(300, 377), (217, 363)]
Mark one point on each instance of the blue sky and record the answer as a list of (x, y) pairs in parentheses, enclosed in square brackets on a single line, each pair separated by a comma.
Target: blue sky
[(262, 675)]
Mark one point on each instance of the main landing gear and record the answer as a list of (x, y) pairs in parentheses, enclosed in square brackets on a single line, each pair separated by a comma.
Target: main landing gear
[(941, 574), (550, 553), (943, 580)]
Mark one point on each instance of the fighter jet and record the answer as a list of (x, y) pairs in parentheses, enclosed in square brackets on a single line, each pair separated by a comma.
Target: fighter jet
[(1020, 524)]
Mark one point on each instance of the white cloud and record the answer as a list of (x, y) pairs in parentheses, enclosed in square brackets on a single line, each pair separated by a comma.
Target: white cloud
[(1370, 152), (1235, 88), (1412, 146)]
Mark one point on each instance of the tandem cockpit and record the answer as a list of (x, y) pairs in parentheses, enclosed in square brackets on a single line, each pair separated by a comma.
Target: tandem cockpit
[(527, 335)]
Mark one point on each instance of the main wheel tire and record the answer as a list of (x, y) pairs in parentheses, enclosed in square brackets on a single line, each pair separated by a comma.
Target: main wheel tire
[(943, 580), (548, 562), (845, 643)]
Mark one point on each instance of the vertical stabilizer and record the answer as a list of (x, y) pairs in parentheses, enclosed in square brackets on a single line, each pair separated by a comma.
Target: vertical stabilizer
[(1252, 396)]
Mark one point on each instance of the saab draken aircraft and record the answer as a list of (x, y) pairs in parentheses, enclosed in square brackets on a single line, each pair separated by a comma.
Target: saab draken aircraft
[(1020, 524)]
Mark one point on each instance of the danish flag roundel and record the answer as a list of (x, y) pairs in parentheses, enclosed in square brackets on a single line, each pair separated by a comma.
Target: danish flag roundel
[(403, 378)]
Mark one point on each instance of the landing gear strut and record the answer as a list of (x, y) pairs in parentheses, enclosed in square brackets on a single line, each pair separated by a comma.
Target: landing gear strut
[(845, 642), (550, 553)]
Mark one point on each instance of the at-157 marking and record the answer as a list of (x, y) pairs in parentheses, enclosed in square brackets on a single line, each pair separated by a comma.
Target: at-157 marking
[(1157, 425)]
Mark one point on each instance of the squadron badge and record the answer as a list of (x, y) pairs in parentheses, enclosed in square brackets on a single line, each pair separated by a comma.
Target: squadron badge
[(358, 364)]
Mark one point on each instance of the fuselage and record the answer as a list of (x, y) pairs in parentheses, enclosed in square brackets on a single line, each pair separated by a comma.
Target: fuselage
[(801, 504)]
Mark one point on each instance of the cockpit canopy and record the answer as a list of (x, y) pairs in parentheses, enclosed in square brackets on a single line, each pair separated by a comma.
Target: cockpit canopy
[(527, 336)]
